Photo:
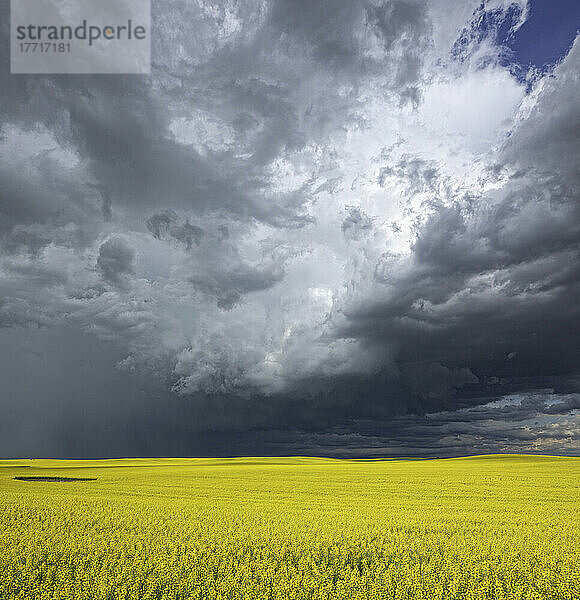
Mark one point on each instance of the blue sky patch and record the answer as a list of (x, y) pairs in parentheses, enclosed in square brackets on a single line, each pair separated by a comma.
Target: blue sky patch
[(547, 35)]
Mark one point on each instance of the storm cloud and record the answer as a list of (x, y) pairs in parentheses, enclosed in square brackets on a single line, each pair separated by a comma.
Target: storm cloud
[(341, 228)]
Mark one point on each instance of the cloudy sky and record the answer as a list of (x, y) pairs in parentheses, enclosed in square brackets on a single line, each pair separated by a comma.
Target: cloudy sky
[(342, 228)]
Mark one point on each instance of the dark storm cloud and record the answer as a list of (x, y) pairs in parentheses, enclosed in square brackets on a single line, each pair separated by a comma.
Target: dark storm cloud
[(115, 261), (167, 223), (313, 228), (490, 283), (538, 422)]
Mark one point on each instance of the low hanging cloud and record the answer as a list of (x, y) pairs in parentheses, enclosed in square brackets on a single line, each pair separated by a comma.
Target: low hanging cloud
[(309, 215), (115, 262)]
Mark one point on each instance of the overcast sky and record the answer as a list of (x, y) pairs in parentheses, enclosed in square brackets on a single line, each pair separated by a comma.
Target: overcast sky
[(342, 227)]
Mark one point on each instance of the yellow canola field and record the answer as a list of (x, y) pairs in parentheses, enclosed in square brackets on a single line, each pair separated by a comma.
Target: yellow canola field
[(493, 527)]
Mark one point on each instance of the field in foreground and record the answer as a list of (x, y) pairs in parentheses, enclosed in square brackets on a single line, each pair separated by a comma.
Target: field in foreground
[(494, 527)]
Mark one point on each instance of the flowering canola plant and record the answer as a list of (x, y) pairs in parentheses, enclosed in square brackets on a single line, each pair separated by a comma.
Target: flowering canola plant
[(495, 527)]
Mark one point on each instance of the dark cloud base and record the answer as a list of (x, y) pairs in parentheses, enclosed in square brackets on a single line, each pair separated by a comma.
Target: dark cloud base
[(109, 413)]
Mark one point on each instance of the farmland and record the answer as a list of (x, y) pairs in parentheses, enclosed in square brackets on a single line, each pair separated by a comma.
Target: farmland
[(493, 527)]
